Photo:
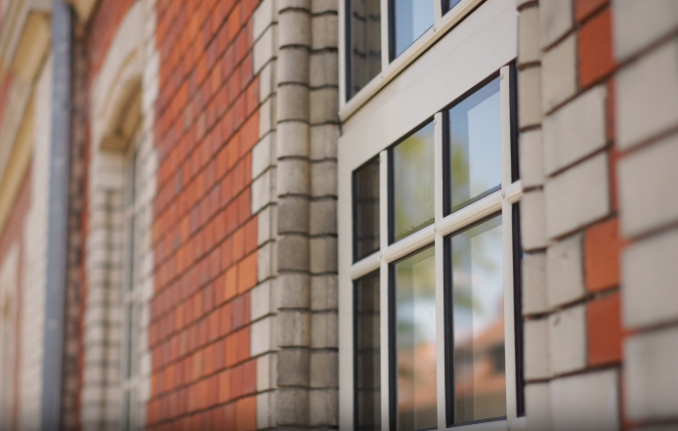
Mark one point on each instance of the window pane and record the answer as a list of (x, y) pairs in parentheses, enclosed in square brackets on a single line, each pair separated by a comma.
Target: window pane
[(412, 18), (475, 145), (367, 351), (413, 182), (366, 221), (365, 43), (449, 4), (478, 310), (415, 322)]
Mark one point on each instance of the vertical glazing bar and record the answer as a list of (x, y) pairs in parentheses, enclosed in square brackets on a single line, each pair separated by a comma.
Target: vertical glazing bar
[(437, 14), (507, 215), (343, 25), (505, 90), (385, 31), (440, 278), (384, 291)]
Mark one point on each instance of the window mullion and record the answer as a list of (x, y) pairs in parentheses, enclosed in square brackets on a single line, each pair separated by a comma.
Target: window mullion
[(385, 33), (505, 91), (507, 215), (384, 288)]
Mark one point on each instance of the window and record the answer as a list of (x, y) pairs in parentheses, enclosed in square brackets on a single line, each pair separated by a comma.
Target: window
[(429, 252), (458, 263), (376, 33), (132, 293)]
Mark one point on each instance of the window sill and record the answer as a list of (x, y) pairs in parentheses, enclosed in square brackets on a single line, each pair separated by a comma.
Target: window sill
[(425, 41)]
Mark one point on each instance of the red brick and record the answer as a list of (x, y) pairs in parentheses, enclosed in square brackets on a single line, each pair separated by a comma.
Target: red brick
[(602, 249), (231, 348), (247, 273), (596, 58), (243, 344), (246, 414), (224, 386), (231, 282), (604, 330), (249, 383), (251, 235)]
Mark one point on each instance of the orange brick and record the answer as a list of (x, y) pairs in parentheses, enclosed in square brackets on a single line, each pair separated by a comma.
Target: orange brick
[(238, 244), (249, 380), (251, 235), (231, 347), (247, 273), (596, 58), (246, 414), (224, 386), (602, 249), (243, 344), (231, 282), (604, 330)]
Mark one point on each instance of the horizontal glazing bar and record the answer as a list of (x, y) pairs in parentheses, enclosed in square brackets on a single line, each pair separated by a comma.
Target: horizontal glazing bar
[(470, 214), (366, 265), (410, 244)]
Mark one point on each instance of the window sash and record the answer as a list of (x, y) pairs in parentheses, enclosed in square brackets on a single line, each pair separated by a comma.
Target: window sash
[(392, 66), (498, 202)]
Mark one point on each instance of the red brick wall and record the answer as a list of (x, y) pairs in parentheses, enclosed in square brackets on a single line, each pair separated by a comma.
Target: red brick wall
[(13, 234), (204, 235)]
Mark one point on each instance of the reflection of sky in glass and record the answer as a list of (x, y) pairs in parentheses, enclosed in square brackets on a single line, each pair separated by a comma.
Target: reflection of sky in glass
[(413, 163), (416, 341), (413, 18), (475, 134)]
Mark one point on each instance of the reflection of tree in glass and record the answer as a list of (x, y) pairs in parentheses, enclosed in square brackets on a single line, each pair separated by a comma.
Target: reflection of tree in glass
[(413, 178)]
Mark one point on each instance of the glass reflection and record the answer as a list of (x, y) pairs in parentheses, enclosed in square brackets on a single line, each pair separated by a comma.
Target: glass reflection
[(415, 318), (413, 182), (365, 43), (475, 145), (449, 4), (412, 18), (366, 221), (367, 351), (478, 310)]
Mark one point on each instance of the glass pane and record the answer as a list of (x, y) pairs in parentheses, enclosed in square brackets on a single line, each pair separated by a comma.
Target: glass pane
[(475, 145), (367, 350), (365, 43), (366, 221), (412, 19), (413, 182), (449, 4), (478, 310), (415, 318)]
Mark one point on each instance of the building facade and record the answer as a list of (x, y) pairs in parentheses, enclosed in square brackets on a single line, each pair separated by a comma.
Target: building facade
[(338, 214)]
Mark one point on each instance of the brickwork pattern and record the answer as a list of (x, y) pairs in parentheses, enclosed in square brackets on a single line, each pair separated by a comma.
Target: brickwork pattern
[(571, 214), (204, 233)]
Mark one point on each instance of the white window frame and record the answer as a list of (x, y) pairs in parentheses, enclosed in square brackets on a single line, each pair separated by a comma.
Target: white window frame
[(484, 43), (442, 24)]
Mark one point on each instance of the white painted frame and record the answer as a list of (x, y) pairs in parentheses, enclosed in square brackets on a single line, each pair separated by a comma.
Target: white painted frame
[(442, 24), (485, 42)]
